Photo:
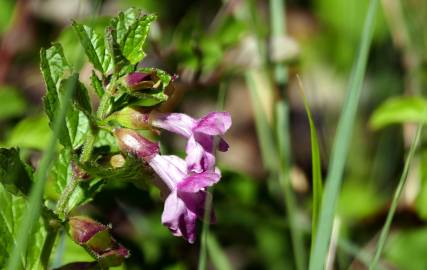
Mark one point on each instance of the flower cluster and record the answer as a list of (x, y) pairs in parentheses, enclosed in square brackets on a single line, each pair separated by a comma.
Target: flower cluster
[(182, 182)]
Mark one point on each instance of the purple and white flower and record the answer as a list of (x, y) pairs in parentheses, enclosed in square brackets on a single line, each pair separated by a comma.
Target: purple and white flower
[(184, 182)]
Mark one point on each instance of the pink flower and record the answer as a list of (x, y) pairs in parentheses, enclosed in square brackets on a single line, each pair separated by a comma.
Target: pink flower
[(184, 182)]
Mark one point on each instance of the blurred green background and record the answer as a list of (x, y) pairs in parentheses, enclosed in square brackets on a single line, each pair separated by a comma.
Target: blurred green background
[(217, 48)]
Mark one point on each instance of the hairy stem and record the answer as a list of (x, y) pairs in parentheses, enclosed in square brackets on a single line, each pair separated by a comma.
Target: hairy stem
[(65, 196), (93, 132)]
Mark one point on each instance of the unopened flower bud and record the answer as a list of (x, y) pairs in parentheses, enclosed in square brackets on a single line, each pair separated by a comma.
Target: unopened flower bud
[(138, 81), (132, 142), (84, 228), (96, 238), (132, 118)]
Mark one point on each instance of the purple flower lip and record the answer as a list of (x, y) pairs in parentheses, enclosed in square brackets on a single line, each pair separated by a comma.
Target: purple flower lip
[(186, 193), (203, 129), (132, 142)]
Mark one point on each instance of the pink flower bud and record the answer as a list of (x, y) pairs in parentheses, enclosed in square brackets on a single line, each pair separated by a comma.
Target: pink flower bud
[(142, 80), (84, 228), (132, 142), (96, 238)]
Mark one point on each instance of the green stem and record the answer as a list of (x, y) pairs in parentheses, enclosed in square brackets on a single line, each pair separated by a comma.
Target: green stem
[(65, 196), (101, 113), (395, 202), (48, 244), (205, 232), (278, 29), (88, 146)]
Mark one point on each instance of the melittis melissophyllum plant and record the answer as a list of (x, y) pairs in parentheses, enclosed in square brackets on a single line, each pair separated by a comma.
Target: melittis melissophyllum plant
[(107, 144)]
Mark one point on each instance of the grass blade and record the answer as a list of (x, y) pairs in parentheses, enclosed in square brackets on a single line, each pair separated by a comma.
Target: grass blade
[(33, 211), (395, 201), (283, 143), (341, 145), (316, 167)]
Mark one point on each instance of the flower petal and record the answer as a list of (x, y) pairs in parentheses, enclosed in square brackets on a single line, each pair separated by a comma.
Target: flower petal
[(196, 202), (171, 169), (179, 220), (174, 208), (198, 160), (214, 123), (223, 145), (197, 182), (178, 123)]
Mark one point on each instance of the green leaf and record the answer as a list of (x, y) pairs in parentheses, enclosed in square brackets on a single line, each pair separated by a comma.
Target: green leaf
[(97, 84), (131, 32), (120, 63), (124, 21), (94, 46), (13, 104), (31, 132), (57, 76), (148, 100), (82, 100), (60, 174), (14, 174), (135, 37), (11, 214), (399, 110), (316, 167), (54, 68), (76, 122)]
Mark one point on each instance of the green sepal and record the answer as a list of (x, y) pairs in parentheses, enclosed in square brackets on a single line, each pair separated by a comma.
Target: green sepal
[(97, 84)]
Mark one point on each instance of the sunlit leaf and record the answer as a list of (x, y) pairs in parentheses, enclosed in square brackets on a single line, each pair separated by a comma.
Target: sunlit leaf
[(94, 46), (31, 132), (400, 110), (11, 213)]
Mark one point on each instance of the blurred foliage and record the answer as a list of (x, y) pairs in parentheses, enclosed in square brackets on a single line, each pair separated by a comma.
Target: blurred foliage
[(13, 104), (406, 249), (6, 14)]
